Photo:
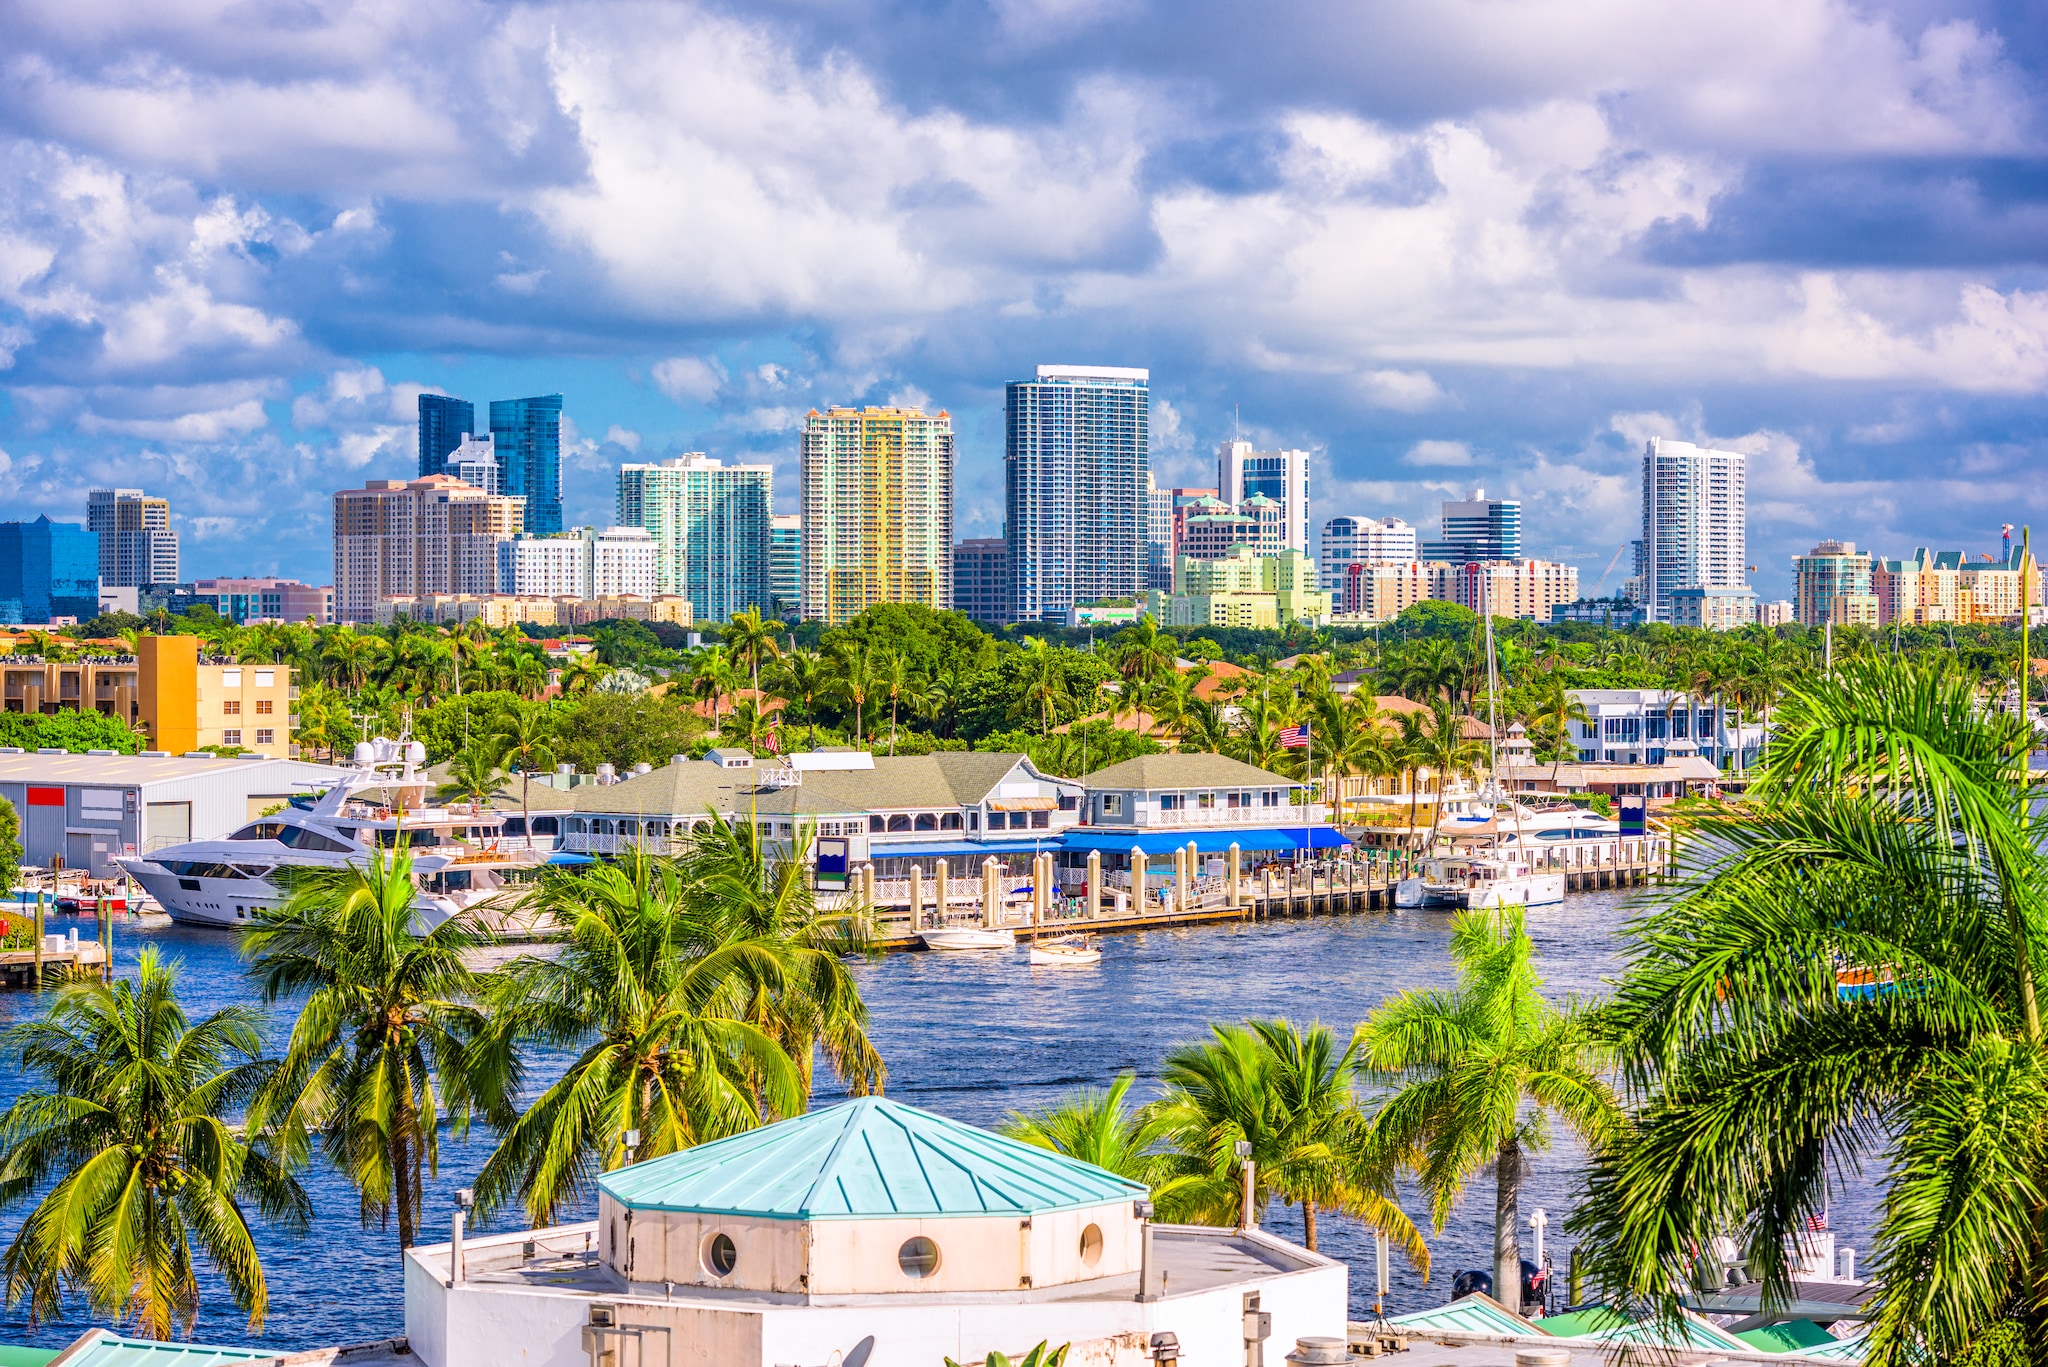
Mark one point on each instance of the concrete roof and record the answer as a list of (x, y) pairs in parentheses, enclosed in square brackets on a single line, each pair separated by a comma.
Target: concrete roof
[(137, 769), (948, 778), (867, 1157), (1188, 769)]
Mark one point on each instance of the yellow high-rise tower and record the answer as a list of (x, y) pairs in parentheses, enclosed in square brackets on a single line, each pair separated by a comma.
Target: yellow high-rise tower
[(877, 510)]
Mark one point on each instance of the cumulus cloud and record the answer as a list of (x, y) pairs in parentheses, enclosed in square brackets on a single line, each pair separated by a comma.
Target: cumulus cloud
[(1432, 453), (696, 378)]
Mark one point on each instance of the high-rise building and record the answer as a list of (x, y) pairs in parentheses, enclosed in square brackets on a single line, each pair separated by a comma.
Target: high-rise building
[(1478, 528), (444, 422), (436, 535), (1694, 523), (532, 566), (1258, 522), (1076, 453), (475, 463), (1282, 476), (624, 561), (786, 564), (981, 579), (48, 570), (712, 524), (1831, 570), (1351, 541), (878, 510), (1511, 588), (1159, 546), (137, 545), (528, 437)]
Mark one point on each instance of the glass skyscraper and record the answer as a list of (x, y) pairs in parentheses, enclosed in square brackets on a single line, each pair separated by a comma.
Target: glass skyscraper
[(528, 435), (48, 570), (1075, 459), (444, 422), (712, 525), (786, 563), (1478, 529)]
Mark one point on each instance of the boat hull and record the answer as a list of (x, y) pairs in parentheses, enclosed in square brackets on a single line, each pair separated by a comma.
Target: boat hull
[(1537, 890), (960, 938), (1408, 892)]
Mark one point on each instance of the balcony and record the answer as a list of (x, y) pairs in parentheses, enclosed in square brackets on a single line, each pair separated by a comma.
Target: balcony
[(1205, 817)]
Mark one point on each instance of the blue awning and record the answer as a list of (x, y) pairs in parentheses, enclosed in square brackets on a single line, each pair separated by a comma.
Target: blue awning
[(946, 849), (1250, 840), (569, 857)]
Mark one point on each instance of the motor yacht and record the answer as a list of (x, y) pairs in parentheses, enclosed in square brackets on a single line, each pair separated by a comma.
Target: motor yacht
[(461, 859), (1484, 879), (958, 938)]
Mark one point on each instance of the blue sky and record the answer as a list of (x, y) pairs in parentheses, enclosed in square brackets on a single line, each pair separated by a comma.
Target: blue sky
[(1441, 243)]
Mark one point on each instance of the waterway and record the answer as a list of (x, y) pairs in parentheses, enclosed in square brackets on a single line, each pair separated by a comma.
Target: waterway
[(976, 1037)]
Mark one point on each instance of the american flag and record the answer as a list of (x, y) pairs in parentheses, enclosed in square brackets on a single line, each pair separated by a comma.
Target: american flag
[(774, 737), (1294, 738), (1818, 1223)]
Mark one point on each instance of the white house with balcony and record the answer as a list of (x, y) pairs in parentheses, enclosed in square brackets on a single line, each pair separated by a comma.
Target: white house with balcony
[(1161, 803), (1652, 725)]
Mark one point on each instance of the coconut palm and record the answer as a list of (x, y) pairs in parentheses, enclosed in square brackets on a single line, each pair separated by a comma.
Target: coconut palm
[(1095, 1126), (473, 774), (1288, 1093), (1144, 651), (800, 679), (376, 1059), (1481, 1069), (750, 640), (854, 679), (663, 1054), (1555, 707), (142, 1170), (1892, 831), (1448, 752), (525, 740), (893, 677), (584, 672), (1045, 685)]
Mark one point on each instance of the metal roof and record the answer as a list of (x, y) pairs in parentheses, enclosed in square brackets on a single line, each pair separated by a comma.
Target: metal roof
[(125, 770), (1190, 770), (866, 1158), (1474, 1314), (98, 1348), (1854, 1348)]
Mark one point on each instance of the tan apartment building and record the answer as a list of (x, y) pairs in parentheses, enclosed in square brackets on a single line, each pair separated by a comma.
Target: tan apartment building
[(408, 538), (1945, 586), (503, 610), (877, 499), (1511, 588), (167, 692)]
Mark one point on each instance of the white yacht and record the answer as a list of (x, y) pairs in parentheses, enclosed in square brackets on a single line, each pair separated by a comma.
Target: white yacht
[(460, 856), (1486, 878)]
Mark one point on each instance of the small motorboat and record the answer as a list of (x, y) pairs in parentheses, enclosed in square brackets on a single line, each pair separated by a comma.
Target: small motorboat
[(1068, 949), (968, 937)]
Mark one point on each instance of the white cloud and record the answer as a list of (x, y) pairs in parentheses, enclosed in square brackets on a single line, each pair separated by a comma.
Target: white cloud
[(1407, 391), (696, 378), (616, 435), (1435, 453)]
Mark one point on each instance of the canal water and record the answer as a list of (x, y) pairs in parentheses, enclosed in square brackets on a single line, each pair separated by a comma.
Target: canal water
[(976, 1037)]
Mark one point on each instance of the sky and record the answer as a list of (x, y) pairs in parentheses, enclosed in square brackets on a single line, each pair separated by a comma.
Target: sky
[(1442, 244)]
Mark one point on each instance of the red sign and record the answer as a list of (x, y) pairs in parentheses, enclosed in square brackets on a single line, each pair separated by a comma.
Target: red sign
[(45, 797)]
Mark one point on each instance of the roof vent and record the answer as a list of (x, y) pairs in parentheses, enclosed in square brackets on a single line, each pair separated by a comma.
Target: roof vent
[(198, 754), (730, 759), (643, 769), (53, 750), (678, 759)]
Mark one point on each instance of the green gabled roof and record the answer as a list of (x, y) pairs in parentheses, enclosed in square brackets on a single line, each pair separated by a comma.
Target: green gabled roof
[(1477, 1313), (1792, 1336), (867, 1157)]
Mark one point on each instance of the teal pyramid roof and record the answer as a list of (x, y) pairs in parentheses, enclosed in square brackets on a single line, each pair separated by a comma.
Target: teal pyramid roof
[(867, 1157)]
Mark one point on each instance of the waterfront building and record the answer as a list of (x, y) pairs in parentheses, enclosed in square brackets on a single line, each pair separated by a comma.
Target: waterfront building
[(1695, 505), (713, 525), (1348, 541), (1831, 570), (1282, 476), (527, 434), (1160, 803), (1187, 503), (868, 1231), (877, 508), (266, 600), (1712, 609), (1477, 528), (1258, 522), (1651, 725), (786, 564), (49, 572), (137, 545), (1076, 453), (1242, 588), (546, 567), (1531, 589), (396, 538), (1617, 613), (1933, 587), (475, 463), (981, 580), (445, 423), (90, 810)]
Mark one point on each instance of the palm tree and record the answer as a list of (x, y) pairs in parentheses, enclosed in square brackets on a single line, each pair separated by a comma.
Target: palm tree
[(751, 639), (1447, 752), (854, 679), (1286, 1092), (473, 774), (584, 671), (800, 678), (376, 1058), (663, 1050), (1045, 686), (1893, 832), (1556, 707), (893, 677), (1144, 651), (1466, 1062), (1098, 1127), (525, 740), (142, 1168)]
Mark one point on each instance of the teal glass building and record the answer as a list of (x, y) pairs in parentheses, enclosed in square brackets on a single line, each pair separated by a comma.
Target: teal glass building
[(48, 570), (528, 437)]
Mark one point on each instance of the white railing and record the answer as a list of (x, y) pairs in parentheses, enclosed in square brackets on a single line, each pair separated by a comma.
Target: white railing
[(579, 843), (897, 890), (1233, 816)]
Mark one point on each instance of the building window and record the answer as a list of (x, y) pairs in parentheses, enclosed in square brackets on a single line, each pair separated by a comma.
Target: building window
[(1205, 801), (950, 821), (266, 736), (266, 678), (231, 678), (1169, 801), (1269, 798), (1112, 804), (1041, 820), (265, 707), (231, 708), (231, 738)]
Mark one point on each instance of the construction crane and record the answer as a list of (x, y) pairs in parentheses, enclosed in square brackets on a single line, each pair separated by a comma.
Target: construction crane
[(1610, 569)]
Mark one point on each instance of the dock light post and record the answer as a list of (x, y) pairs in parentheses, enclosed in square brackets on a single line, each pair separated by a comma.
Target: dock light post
[(1246, 1220), (1143, 1210), (465, 1201), (1538, 1222), (1379, 1299)]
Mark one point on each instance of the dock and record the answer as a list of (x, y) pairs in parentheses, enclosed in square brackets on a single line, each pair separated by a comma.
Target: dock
[(20, 967), (1330, 888)]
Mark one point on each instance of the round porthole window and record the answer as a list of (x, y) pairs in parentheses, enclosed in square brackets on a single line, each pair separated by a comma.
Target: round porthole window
[(1091, 1245), (720, 1255), (919, 1257)]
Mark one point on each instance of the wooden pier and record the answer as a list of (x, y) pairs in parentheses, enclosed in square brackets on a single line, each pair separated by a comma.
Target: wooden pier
[(1330, 888), (20, 968)]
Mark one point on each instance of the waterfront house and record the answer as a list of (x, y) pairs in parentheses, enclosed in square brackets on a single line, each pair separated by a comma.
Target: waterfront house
[(1161, 803), (1645, 725), (869, 1232)]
